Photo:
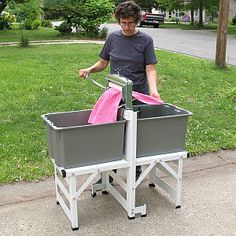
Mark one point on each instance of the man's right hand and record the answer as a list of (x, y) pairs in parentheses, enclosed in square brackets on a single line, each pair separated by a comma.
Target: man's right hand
[(83, 73)]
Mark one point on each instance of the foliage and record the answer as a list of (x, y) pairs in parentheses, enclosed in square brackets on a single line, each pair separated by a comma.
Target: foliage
[(46, 23), (27, 24), (211, 6), (24, 40), (64, 28), (35, 24), (234, 20), (4, 3), (27, 9), (144, 4), (85, 15), (6, 19)]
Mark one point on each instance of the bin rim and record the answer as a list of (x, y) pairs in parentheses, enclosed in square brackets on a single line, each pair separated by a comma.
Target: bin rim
[(51, 124), (188, 113)]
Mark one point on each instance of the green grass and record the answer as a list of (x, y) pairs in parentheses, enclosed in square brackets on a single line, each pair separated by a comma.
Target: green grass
[(13, 35), (43, 79), (209, 26)]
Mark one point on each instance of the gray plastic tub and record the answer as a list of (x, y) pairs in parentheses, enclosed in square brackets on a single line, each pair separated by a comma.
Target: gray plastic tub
[(72, 142), (161, 129)]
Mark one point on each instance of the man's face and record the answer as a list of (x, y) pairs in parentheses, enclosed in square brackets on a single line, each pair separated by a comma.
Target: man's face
[(128, 26)]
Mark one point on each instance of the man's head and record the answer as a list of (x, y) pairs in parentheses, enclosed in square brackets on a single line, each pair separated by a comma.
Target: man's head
[(128, 9)]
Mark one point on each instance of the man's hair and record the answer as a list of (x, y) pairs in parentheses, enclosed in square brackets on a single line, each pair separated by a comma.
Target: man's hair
[(128, 9)]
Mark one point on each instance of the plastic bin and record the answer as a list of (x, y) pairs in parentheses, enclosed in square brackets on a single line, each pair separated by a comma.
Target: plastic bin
[(161, 129), (72, 142)]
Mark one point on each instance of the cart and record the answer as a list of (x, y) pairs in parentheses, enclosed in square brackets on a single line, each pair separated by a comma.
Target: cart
[(146, 135)]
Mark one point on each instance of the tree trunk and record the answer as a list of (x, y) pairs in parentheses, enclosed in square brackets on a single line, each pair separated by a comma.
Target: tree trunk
[(200, 22), (221, 41), (192, 16)]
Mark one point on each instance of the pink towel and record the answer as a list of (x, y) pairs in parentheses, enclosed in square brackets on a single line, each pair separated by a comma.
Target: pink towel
[(106, 108)]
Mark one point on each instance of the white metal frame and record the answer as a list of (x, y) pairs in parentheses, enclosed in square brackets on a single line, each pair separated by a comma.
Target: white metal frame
[(158, 162)]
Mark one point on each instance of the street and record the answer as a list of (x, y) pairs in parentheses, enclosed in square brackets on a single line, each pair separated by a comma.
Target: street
[(198, 43)]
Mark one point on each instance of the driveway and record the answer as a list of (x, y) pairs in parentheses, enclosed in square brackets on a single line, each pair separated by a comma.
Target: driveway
[(198, 43)]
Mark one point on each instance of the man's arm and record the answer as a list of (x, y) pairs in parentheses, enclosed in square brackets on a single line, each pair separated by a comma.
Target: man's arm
[(98, 66), (152, 80)]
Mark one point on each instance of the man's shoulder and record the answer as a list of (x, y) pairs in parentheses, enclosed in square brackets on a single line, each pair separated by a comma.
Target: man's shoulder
[(144, 35), (114, 34)]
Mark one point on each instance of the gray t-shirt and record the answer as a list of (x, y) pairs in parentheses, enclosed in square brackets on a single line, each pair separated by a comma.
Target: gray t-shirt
[(129, 55)]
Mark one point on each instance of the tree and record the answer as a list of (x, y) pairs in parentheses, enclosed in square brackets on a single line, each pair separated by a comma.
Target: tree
[(221, 41), (3, 4), (25, 9), (85, 15)]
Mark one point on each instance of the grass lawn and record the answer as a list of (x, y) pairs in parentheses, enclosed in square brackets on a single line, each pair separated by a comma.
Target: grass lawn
[(43, 79), (209, 26), (42, 33)]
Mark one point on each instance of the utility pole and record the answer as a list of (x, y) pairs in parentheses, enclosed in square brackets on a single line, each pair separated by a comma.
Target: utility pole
[(221, 42)]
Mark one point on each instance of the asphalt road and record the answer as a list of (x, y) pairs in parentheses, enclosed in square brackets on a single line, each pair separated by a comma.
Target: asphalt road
[(198, 43)]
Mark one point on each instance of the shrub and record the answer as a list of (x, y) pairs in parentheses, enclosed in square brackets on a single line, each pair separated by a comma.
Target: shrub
[(64, 28), (234, 20), (46, 23), (35, 24), (27, 24), (24, 41), (86, 16), (6, 19)]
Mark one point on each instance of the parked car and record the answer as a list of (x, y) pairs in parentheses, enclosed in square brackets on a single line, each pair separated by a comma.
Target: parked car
[(148, 18)]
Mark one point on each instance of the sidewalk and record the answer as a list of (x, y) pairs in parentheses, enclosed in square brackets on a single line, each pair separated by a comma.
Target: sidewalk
[(50, 42), (208, 205)]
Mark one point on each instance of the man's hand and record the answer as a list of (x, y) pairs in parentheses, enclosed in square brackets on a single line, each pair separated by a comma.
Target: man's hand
[(154, 94), (83, 73)]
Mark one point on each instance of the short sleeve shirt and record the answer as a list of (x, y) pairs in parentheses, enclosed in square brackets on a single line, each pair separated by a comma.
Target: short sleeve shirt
[(129, 55)]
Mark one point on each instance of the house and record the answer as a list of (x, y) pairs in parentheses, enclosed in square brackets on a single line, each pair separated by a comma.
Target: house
[(185, 15)]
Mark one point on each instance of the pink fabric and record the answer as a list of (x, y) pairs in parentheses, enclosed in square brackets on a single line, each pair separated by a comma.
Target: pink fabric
[(106, 108)]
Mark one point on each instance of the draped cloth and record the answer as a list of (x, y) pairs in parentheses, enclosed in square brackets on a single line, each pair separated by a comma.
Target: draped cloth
[(106, 108)]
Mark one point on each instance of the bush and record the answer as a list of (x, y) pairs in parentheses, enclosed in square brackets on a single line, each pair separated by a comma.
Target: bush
[(6, 19), (27, 24), (86, 16), (35, 24), (24, 41), (64, 28), (46, 23), (234, 20)]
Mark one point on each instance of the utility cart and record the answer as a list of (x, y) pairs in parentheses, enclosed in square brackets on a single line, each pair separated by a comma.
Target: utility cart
[(146, 135)]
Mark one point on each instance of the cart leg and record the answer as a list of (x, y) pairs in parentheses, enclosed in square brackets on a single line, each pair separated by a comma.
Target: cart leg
[(152, 175), (73, 203), (104, 182), (56, 186), (179, 183)]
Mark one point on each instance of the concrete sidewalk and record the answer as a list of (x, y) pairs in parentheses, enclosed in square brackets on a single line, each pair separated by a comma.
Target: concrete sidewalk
[(208, 206)]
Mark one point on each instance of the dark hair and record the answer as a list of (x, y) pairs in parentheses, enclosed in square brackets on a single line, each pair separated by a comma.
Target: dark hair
[(128, 9)]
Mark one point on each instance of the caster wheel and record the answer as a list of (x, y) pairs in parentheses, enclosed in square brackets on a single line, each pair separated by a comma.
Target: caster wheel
[(74, 229), (144, 215), (177, 207), (131, 218), (105, 192), (57, 202), (93, 194), (152, 185)]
